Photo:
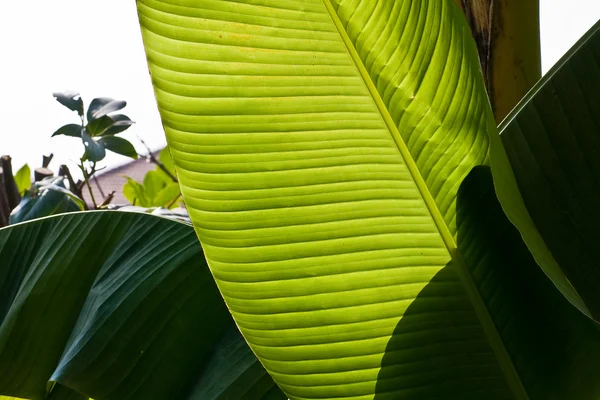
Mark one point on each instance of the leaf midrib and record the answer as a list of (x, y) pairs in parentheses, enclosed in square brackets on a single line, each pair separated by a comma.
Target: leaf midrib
[(479, 306)]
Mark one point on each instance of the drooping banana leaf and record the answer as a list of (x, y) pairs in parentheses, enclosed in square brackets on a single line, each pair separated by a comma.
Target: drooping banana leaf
[(554, 347), (233, 372), (113, 305), (47, 197), (553, 142), (320, 146)]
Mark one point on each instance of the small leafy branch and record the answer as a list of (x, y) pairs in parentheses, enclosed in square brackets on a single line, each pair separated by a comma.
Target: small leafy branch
[(97, 130), (160, 187), (22, 199)]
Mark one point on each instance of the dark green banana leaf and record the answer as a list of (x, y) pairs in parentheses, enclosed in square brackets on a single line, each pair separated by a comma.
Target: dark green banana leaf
[(47, 197), (113, 305), (233, 372), (553, 143), (554, 348)]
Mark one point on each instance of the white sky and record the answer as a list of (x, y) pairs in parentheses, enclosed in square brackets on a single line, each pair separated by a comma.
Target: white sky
[(95, 48)]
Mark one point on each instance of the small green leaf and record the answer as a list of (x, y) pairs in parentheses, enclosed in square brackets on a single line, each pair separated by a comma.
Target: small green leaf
[(109, 125), (73, 130), (71, 100), (135, 193), (120, 123), (98, 126), (94, 151), (166, 196), (101, 106), (23, 179), (119, 146), (154, 182)]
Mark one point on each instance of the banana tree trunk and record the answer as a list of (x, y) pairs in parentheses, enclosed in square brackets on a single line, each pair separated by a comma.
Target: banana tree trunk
[(507, 33)]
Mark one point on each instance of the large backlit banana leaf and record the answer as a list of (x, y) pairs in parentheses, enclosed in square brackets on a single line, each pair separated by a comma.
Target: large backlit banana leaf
[(114, 305), (320, 146), (553, 142)]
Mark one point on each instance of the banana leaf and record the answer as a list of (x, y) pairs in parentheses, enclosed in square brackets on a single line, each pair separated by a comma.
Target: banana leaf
[(320, 146), (112, 305), (552, 139), (47, 197), (554, 347)]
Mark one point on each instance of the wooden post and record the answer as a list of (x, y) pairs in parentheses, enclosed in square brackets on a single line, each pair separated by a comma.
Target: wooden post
[(4, 209), (8, 182), (41, 173)]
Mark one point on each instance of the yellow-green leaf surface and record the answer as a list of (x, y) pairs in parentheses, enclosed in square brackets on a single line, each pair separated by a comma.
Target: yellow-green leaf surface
[(23, 179), (320, 146)]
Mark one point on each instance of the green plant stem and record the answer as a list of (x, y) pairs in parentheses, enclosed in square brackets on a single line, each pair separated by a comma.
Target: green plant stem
[(107, 200), (174, 201), (86, 177), (64, 171)]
